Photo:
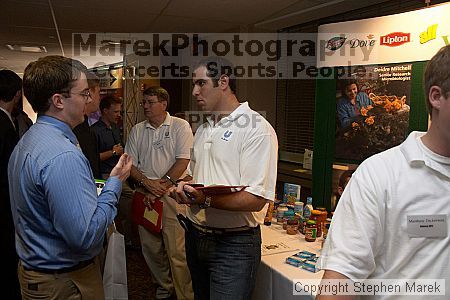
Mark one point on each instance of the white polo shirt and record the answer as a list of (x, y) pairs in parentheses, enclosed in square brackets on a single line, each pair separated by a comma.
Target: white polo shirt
[(241, 149), (369, 235), (155, 150)]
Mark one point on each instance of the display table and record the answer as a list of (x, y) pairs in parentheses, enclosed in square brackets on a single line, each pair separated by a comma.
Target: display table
[(275, 277)]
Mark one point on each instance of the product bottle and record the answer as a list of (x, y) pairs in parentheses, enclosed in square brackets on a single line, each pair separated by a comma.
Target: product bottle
[(268, 218), (316, 215), (308, 208), (311, 231)]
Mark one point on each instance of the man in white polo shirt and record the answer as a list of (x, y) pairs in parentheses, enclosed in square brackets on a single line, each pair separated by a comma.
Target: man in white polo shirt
[(392, 220), (236, 146), (161, 145)]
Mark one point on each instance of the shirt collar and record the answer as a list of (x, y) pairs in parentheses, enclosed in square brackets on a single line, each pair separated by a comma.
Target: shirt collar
[(167, 122), (234, 115), (411, 149), (9, 116), (62, 126), (416, 156)]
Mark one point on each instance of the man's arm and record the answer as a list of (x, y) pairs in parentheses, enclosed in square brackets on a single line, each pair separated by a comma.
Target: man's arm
[(238, 201), (176, 170), (344, 118), (116, 150), (80, 216), (154, 186), (333, 275)]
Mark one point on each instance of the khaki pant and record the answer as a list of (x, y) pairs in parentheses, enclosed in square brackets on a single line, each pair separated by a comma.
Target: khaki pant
[(166, 256), (85, 283)]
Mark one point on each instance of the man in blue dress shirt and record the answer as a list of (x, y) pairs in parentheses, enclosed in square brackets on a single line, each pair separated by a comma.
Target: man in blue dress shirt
[(59, 221)]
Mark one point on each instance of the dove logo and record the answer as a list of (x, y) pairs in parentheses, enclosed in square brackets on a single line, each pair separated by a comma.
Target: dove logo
[(226, 135)]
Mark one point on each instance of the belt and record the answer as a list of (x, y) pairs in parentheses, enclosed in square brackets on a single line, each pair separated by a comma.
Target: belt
[(221, 231), (78, 266)]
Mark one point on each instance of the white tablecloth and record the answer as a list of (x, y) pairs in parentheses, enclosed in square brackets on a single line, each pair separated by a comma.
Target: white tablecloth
[(275, 277)]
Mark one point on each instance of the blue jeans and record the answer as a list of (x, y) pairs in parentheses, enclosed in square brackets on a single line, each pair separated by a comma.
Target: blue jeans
[(223, 266)]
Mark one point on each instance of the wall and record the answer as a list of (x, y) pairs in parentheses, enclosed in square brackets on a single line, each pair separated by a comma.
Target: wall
[(28, 110), (261, 95)]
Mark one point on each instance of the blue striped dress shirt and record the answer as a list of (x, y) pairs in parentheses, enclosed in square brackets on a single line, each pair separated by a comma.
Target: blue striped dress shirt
[(58, 217)]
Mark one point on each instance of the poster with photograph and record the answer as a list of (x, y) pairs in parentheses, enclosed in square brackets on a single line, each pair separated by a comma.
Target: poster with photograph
[(372, 110)]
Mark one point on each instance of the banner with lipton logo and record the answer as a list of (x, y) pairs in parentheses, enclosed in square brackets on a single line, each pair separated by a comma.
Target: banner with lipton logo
[(406, 37)]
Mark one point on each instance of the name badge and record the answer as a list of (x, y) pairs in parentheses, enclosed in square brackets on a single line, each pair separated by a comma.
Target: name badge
[(158, 145), (432, 226)]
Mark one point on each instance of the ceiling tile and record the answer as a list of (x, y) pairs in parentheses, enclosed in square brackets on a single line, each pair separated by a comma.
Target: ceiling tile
[(233, 11), (173, 24)]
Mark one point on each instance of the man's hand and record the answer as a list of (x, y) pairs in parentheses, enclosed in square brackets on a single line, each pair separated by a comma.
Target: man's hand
[(179, 194), (118, 149), (149, 200), (155, 186), (123, 167), (166, 183)]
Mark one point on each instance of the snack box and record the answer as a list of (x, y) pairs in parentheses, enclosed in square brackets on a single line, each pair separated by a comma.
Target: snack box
[(310, 266), (294, 261), (313, 259), (305, 255), (291, 193)]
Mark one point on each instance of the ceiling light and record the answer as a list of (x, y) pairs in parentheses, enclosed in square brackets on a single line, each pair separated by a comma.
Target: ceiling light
[(22, 48)]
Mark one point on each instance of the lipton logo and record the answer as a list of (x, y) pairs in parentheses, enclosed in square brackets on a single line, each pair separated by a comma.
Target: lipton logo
[(395, 39), (335, 43)]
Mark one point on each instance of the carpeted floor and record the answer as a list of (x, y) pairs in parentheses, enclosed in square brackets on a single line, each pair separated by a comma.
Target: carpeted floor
[(140, 286)]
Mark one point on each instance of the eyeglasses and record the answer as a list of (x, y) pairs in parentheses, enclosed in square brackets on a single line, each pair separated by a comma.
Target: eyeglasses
[(85, 94), (143, 102)]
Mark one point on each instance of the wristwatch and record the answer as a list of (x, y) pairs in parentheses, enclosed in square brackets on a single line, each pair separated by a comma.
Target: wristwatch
[(207, 202)]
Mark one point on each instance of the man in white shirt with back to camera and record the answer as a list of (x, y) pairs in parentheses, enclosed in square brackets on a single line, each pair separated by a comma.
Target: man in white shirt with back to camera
[(391, 223)]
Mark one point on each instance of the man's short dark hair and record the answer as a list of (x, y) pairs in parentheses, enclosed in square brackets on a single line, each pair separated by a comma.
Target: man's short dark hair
[(216, 67), (107, 101), (10, 84), (159, 92), (437, 73), (344, 176), (47, 76), (346, 83)]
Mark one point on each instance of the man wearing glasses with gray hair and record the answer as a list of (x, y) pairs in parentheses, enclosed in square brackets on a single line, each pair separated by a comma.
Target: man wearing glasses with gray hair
[(161, 146)]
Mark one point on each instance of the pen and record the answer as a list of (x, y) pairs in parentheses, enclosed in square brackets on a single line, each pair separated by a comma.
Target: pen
[(171, 180), (176, 184)]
